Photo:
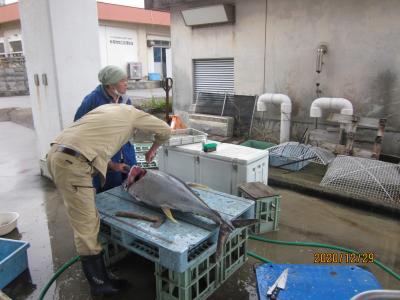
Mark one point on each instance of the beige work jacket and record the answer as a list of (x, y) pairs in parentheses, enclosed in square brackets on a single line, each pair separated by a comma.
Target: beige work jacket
[(99, 134)]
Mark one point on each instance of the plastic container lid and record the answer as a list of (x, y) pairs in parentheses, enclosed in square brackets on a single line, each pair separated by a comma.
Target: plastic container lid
[(227, 152)]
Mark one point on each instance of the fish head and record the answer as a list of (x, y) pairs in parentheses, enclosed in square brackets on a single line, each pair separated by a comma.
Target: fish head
[(135, 174)]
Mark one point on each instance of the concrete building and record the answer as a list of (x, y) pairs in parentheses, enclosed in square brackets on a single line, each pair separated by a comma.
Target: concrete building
[(270, 46), (133, 38)]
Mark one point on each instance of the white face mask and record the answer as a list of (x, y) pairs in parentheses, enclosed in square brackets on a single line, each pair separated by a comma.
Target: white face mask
[(117, 93)]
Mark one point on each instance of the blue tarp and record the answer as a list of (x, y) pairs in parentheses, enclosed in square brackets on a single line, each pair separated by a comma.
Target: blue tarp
[(314, 282)]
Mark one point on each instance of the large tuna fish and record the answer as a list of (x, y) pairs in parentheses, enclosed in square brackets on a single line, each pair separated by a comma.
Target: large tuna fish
[(161, 190)]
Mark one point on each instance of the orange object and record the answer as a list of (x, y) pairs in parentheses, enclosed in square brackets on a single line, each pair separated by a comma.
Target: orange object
[(177, 123)]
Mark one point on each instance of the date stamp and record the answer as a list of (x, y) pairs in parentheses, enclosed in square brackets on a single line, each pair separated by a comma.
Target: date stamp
[(343, 257)]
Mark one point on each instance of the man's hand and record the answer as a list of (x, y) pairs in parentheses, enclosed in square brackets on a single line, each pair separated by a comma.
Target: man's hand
[(150, 155), (119, 167), (152, 152)]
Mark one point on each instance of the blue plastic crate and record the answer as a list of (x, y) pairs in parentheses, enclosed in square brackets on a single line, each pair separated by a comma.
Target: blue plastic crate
[(174, 246), (13, 260), (308, 282)]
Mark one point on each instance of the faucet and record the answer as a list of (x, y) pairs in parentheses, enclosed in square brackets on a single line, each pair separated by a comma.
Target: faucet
[(321, 50)]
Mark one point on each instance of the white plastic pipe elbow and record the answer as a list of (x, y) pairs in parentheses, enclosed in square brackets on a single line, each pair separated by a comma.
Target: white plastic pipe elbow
[(319, 104)]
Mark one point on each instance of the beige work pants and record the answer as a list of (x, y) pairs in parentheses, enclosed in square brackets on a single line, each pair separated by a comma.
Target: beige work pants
[(73, 178)]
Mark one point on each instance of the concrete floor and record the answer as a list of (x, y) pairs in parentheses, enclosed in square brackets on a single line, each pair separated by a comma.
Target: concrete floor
[(44, 225)]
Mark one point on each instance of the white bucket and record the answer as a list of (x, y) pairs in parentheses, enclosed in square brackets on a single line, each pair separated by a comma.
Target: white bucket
[(8, 221)]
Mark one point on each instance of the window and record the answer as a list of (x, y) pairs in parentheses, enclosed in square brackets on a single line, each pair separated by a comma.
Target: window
[(2, 49), (158, 43), (157, 54), (16, 48)]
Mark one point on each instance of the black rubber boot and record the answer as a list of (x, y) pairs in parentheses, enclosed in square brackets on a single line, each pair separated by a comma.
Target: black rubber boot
[(117, 282), (96, 273)]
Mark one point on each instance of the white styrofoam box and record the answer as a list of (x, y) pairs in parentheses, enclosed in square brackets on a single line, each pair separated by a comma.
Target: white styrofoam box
[(223, 170)]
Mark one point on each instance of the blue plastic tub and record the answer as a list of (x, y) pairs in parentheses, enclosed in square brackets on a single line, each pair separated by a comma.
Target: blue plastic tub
[(283, 162), (13, 260), (154, 76)]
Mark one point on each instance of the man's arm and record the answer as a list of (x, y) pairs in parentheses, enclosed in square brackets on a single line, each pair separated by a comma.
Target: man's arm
[(160, 128), (147, 122)]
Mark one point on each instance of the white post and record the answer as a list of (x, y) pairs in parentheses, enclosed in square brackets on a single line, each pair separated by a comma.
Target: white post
[(61, 47)]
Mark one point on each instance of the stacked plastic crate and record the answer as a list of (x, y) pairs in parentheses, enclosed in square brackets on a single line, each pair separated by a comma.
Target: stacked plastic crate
[(141, 149), (178, 137), (199, 281), (267, 205)]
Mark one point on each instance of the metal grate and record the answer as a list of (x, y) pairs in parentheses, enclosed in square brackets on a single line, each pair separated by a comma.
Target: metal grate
[(240, 107), (373, 179), (301, 152)]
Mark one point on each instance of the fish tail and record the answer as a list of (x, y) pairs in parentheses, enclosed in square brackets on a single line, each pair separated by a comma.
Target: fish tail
[(225, 230)]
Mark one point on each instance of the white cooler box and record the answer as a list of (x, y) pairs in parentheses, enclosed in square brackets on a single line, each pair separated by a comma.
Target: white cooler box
[(223, 170)]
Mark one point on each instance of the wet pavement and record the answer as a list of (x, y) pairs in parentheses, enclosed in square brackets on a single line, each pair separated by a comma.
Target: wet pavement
[(44, 225)]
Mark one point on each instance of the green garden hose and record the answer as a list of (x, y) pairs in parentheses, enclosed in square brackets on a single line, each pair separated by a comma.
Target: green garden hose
[(58, 273), (256, 256), (319, 245)]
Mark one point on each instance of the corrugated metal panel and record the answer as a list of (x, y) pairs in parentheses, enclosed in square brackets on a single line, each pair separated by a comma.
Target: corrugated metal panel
[(214, 76)]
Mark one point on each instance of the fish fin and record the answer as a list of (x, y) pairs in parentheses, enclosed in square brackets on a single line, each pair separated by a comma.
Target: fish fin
[(197, 185), (224, 231), (168, 213), (159, 222), (244, 222)]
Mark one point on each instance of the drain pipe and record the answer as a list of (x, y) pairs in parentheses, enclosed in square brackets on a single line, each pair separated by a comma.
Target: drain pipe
[(286, 110), (345, 106)]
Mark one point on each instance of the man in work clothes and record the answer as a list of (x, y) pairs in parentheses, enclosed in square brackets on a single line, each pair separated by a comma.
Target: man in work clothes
[(112, 89), (76, 155)]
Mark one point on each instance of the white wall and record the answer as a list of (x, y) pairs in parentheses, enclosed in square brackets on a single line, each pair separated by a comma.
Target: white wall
[(118, 45)]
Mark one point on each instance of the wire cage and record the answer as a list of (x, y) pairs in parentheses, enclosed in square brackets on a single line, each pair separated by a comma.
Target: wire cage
[(373, 179), (298, 155)]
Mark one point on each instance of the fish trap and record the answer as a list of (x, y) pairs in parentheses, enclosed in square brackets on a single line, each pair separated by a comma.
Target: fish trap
[(373, 179), (295, 156)]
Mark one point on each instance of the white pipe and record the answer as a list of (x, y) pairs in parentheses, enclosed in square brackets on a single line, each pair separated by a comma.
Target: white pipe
[(286, 110), (345, 106)]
